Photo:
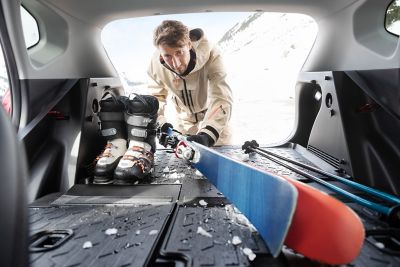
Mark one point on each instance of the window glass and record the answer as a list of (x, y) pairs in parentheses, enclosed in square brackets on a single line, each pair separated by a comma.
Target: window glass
[(392, 22), (5, 94), (30, 28), (263, 55)]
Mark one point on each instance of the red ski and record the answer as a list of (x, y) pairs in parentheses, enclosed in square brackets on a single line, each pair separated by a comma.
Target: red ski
[(323, 228)]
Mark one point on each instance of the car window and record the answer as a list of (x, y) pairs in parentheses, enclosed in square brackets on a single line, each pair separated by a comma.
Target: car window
[(392, 21), (5, 94), (261, 88), (30, 28)]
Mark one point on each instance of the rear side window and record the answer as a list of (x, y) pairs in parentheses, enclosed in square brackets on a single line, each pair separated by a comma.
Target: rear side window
[(30, 28), (392, 21)]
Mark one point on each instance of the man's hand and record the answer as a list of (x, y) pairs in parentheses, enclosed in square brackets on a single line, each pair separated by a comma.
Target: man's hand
[(162, 133), (164, 127), (202, 138)]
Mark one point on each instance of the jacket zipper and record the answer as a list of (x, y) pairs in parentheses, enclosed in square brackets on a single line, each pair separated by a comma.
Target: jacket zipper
[(187, 95)]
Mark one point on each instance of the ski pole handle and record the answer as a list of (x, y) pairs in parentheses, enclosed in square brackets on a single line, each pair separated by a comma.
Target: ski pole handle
[(392, 213), (364, 188)]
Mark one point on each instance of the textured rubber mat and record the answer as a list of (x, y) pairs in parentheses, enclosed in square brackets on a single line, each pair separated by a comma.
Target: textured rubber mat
[(120, 195), (94, 209), (213, 236), (113, 235)]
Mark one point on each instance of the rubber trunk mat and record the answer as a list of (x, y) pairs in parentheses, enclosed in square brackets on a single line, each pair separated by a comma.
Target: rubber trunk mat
[(212, 236), (115, 194), (138, 229), (140, 237)]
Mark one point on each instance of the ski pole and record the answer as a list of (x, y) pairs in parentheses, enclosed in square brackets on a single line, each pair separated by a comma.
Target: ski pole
[(393, 213), (363, 188)]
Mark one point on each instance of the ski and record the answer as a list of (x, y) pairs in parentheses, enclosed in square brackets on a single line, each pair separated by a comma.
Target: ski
[(266, 200), (322, 228)]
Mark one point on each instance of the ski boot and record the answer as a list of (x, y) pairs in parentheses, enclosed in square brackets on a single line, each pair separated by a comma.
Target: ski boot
[(113, 128), (137, 163)]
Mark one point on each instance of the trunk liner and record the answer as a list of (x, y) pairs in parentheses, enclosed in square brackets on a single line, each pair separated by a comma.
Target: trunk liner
[(90, 209)]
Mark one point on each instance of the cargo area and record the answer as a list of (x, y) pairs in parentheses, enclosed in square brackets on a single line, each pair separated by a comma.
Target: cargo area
[(178, 218)]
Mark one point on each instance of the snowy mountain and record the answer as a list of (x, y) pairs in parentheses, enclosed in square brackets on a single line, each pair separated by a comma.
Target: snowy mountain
[(263, 55), (283, 41)]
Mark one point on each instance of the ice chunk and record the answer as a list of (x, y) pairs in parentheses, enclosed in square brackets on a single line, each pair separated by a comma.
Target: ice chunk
[(173, 175), (380, 245), (203, 232), (153, 232), (87, 244), (198, 173), (236, 240), (244, 157), (203, 203), (111, 231), (249, 253), (166, 169)]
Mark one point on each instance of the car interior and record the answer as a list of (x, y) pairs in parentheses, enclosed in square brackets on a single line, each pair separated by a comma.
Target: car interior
[(347, 123)]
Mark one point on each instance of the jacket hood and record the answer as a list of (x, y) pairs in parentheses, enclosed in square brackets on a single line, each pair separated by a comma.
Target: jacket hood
[(201, 47)]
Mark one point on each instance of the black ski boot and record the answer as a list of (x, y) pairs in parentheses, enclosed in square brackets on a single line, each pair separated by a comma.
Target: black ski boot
[(113, 128), (137, 163)]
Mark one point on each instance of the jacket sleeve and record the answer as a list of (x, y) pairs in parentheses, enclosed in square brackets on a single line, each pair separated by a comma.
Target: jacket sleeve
[(157, 89), (219, 97)]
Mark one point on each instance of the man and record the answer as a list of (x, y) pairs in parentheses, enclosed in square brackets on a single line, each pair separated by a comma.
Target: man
[(189, 70)]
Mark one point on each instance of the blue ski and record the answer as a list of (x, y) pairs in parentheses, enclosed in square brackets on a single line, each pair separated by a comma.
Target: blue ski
[(267, 201)]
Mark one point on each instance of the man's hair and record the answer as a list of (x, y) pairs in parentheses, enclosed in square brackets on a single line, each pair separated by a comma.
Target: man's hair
[(172, 33)]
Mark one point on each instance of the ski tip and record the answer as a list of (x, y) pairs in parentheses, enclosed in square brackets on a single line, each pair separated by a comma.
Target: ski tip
[(324, 229)]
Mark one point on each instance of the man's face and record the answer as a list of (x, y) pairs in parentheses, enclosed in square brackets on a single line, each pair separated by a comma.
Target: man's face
[(177, 58)]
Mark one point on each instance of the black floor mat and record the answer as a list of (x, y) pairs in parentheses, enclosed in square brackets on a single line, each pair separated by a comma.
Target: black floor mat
[(138, 230), (89, 214), (212, 236)]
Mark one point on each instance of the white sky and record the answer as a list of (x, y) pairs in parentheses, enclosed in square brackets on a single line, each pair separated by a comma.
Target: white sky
[(129, 44)]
